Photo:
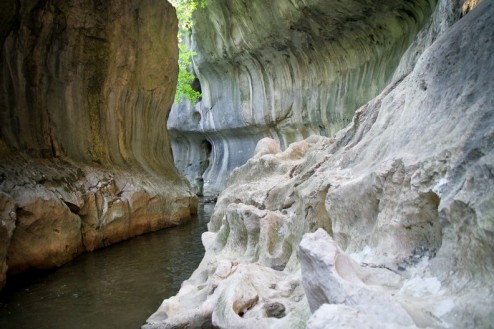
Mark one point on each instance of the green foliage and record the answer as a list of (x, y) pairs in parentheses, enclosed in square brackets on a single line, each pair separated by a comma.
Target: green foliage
[(185, 77), (185, 9)]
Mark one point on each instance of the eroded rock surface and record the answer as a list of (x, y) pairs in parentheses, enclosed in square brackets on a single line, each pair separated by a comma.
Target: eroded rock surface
[(387, 225), (284, 70), (85, 91)]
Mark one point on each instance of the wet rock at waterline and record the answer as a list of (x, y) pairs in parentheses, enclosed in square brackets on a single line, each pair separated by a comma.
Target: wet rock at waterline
[(85, 91), (387, 225), (7, 225)]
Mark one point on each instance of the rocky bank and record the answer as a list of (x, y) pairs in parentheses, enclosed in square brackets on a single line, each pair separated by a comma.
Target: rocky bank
[(85, 91), (387, 224)]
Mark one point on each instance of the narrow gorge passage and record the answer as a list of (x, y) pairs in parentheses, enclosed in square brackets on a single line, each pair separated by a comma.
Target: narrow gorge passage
[(353, 157), (348, 145)]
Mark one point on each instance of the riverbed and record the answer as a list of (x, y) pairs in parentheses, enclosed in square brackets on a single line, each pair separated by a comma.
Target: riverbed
[(116, 287)]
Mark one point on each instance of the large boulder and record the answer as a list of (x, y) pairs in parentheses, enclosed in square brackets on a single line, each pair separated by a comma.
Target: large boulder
[(47, 234)]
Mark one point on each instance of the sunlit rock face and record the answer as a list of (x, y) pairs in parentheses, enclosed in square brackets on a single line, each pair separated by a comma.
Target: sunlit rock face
[(388, 224), (285, 70), (85, 91)]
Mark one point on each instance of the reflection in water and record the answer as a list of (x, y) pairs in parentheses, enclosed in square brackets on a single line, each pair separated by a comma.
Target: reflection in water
[(116, 287)]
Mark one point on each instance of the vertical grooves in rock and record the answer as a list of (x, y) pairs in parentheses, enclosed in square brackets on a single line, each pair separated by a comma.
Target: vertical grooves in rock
[(86, 87), (305, 72)]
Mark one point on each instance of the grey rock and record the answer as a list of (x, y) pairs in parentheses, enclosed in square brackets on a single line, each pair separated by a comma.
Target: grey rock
[(285, 70), (275, 310), (400, 201), (331, 277)]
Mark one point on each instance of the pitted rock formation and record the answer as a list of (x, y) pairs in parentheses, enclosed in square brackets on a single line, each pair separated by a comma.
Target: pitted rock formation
[(387, 225), (85, 91), (285, 70)]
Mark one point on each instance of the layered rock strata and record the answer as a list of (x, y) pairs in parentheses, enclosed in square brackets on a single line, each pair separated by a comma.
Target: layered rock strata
[(85, 91), (387, 225), (285, 70)]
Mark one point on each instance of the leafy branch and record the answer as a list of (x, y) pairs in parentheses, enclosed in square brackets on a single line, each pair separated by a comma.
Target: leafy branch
[(185, 10), (185, 77)]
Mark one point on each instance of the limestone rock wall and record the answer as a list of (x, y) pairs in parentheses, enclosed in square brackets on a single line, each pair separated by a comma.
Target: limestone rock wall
[(85, 91), (77, 74), (286, 70), (388, 224)]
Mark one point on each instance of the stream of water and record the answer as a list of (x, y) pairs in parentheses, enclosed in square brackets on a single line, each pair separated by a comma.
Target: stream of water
[(116, 287)]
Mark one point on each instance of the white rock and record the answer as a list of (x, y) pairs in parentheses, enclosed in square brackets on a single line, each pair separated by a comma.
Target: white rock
[(407, 186)]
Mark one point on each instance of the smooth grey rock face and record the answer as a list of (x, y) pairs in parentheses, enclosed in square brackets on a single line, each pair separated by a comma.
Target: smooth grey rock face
[(387, 225), (285, 70), (85, 91)]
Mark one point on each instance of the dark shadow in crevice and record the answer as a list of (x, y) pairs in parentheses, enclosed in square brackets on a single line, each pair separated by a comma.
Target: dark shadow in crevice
[(206, 150)]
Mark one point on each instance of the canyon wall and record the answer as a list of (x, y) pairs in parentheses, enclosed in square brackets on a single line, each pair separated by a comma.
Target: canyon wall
[(85, 91), (285, 70), (388, 224)]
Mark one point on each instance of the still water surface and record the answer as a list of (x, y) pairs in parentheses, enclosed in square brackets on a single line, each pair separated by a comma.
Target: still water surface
[(116, 287)]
